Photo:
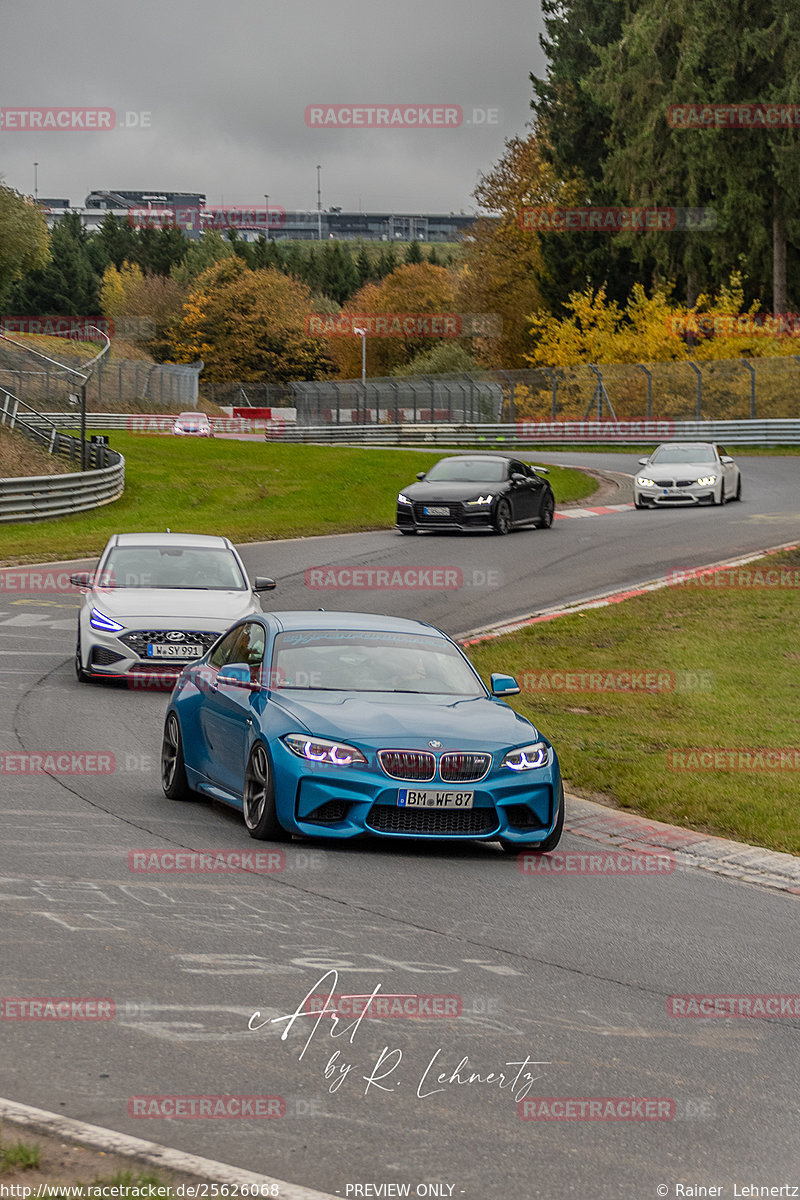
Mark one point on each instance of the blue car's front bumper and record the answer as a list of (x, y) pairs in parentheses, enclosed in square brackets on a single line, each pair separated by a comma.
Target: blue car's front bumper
[(323, 801)]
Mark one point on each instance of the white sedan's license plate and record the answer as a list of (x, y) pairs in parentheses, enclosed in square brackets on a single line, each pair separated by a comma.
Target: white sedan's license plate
[(173, 650), (407, 798), (437, 510)]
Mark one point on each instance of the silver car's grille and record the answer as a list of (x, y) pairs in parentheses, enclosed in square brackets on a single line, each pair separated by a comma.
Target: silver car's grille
[(685, 482), (472, 822), (413, 766), (464, 768), (138, 639)]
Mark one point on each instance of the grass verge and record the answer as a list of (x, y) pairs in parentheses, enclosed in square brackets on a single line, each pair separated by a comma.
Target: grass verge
[(248, 491), (726, 675)]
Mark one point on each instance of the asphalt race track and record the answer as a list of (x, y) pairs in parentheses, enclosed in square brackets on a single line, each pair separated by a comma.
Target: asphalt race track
[(565, 976)]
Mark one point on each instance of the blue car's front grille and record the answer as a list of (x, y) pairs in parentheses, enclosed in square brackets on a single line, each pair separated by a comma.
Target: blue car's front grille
[(414, 766), (464, 768), (522, 817), (472, 822), (328, 813)]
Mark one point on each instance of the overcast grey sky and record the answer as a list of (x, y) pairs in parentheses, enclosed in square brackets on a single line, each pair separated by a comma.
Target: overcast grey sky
[(227, 84)]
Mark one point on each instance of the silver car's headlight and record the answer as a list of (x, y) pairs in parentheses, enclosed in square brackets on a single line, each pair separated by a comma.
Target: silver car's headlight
[(707, 480), (643, 481), (401, 499), (100, 621), (527, 758), (322, 750), (479, 500)]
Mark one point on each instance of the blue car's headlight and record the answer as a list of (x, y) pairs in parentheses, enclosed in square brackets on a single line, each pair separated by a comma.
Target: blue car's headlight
[(487, 499), (401, 499), (527, 758), (99, 620), (323, 750)]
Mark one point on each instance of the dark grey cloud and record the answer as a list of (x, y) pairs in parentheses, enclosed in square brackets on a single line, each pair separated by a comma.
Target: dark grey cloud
[(227, 83)]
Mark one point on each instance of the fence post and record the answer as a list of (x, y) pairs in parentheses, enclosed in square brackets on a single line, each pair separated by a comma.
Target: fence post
[(642, 367), (699, 405), (752, 371)]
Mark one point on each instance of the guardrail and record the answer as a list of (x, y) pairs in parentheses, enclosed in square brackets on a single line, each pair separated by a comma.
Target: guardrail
[(36, 497), (768, 432)]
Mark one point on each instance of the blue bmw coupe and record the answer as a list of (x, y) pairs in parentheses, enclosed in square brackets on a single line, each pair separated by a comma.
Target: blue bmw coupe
[(343, 724)]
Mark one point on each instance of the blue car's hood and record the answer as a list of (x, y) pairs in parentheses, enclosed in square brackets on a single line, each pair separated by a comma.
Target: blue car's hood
[(410, 721)]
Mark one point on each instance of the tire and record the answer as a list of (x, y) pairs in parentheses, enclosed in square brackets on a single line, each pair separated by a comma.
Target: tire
[(502, 518), (721, 500), (258, 798), (548, 509), (738, 495), (81, 675), (548, 844), (173, 766), (639, 505)]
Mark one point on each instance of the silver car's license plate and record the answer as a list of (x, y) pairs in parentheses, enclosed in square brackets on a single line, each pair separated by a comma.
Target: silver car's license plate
[(173, 650), (408, 798), (437, 510)]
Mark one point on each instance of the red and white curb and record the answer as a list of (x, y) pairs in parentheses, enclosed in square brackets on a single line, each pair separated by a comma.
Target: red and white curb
[(603, 599), (602, 510), (98, 1138), (637, 835)]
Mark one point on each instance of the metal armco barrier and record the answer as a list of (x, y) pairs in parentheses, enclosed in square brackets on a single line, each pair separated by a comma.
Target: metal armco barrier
[(774, 432)]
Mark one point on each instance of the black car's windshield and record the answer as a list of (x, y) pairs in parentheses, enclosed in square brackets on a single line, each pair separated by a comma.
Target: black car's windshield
[(683, 454), (468, 470), (196, 567), (366, 661)]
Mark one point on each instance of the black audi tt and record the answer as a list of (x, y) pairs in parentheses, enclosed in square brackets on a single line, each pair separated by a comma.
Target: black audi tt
[(477, 492)]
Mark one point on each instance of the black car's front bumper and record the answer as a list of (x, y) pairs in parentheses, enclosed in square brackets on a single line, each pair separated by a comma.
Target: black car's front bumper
[(461, 516)]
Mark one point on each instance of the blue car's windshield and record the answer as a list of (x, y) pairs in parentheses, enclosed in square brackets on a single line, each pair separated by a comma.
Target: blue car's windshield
[(363, 661)]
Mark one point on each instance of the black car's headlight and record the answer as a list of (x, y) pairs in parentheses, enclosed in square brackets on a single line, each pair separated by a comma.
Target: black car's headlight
[(479, 500), (323, 750), (401, 499), (527, 758)]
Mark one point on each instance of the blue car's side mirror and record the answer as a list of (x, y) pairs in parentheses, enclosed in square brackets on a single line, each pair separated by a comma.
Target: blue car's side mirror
[(504, 685), (236, 675)]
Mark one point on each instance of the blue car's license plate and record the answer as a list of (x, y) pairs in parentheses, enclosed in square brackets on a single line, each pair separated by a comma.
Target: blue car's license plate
[(408, 798)]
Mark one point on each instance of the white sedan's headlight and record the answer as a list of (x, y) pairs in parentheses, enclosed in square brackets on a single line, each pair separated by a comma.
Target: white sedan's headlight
[(322, 750), (100, 621), (527, 758), (479, 500), (707, 480), (643, 481), (401, 499)]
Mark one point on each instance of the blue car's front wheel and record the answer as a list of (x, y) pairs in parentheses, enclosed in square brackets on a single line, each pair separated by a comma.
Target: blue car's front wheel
[(173, 767), (258, 798)]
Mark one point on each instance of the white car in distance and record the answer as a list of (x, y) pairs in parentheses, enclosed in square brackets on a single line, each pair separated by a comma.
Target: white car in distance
[(687, 473), (192, 424), (158, 601)]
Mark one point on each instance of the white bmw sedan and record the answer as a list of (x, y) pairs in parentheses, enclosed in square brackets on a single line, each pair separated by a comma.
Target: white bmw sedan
[(157, 601), (686, 473)]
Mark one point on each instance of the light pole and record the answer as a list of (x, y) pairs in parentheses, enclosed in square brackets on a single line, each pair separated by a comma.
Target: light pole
[(319, 206), (36, 182), (362, 333)]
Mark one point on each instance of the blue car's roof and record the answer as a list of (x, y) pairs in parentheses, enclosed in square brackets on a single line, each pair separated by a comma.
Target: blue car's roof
[(374, 622)]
